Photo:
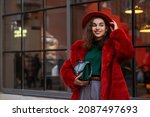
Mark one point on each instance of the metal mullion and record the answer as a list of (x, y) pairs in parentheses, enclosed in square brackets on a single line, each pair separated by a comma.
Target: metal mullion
[(82, 3), (22, 46), (143, 46), (44, 58), (2, 37), (98, 3), (69, 27), (133, 41)]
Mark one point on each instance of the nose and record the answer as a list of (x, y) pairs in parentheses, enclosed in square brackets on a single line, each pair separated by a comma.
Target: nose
[(97, 27)]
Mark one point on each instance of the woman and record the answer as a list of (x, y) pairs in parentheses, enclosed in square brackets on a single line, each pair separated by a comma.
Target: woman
[(106, 47)]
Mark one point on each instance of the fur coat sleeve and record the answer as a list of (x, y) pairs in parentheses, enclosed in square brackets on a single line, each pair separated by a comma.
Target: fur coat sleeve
[(67, 74), (123, 46), (77, 53)]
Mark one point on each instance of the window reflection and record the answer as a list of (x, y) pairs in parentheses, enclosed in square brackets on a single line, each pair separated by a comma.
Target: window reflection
[(53, 78), (11, 6), (55, 3), (9, 71), (18, 70), (143, 71), (32, 75), (32, 66)]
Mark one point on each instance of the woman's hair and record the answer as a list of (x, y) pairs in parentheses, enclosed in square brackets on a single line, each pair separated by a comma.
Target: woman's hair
[(88, 35)]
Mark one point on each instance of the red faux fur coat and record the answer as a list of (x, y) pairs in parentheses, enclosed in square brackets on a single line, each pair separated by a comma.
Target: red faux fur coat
[(115, 50)]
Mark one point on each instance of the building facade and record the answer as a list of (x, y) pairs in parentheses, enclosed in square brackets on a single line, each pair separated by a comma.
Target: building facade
[(36, 35)]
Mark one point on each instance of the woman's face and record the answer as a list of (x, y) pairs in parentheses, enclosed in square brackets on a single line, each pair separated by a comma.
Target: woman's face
[(99, 28)]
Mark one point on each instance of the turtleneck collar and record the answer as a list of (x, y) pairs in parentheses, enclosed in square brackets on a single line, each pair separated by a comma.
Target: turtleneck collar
[(96, 42)]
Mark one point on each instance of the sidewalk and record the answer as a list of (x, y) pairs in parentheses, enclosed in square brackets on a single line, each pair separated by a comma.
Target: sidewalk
[(20, 97)]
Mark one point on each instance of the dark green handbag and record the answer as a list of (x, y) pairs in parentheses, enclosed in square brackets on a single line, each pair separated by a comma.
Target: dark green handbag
[(84, 69)]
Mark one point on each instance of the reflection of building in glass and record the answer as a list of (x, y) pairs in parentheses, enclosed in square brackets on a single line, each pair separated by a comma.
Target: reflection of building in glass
[(51, 43), (20, 32)]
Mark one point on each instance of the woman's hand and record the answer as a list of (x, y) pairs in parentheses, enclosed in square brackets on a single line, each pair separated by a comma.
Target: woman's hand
[(80, 82), (114, 26)]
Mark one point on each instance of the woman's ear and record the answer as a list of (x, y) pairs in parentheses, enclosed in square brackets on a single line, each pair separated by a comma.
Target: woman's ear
[(106, 28)]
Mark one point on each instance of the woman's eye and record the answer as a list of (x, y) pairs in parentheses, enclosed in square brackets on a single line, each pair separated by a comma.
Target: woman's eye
[(94, 25)]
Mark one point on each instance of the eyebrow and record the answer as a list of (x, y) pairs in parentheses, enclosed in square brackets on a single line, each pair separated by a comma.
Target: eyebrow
[(98, 23)]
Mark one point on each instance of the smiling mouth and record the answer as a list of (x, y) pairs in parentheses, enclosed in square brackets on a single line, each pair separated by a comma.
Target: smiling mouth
[(97, 33)]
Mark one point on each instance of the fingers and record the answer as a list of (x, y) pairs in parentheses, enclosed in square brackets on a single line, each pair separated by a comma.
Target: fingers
[(114, 25), (80, 82), (78, 76)]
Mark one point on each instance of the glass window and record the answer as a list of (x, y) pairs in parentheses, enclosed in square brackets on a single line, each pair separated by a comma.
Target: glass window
[(23, 70), (53, 63), (142, 71), (56, 31), (54, 3), (29, 5), (77, 15), (33, 23), (17, 34), (143, 24), (33, 71), (12, 6), (128, 75), (55, 40), (25, 33), (12, 33), (9, 71)]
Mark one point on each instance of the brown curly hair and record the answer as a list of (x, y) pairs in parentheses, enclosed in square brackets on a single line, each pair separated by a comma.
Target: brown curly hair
[(89, 38)]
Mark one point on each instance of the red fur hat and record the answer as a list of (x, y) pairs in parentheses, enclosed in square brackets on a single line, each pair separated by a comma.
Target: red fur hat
[(90, 15)]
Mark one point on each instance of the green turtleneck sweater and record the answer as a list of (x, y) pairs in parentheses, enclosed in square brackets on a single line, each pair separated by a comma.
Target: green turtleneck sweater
[(94, 56)]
